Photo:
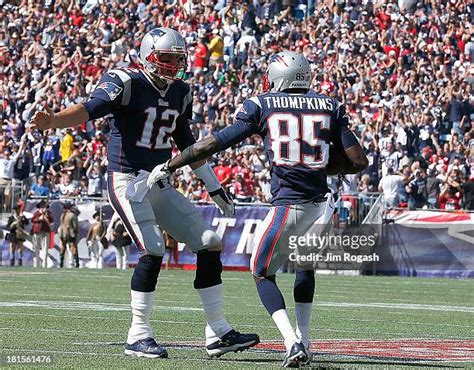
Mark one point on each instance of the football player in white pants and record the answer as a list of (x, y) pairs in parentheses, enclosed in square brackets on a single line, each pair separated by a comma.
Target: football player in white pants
[(149, 107)]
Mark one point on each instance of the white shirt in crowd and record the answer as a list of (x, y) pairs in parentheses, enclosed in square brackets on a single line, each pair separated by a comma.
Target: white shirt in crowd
[(390, 185), (7, 166)]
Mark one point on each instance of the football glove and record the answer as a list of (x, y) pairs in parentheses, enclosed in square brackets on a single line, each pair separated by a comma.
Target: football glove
[(223, 201), (160, 172)]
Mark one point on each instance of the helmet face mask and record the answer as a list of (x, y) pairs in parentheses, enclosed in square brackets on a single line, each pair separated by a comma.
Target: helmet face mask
[(167, 64), (163, 54)]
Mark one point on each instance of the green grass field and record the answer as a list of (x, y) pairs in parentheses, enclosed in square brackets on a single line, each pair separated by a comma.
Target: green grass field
[(80, 319)]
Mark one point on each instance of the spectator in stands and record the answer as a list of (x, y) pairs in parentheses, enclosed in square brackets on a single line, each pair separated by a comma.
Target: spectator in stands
[(68, 233), (216, 49), (74, 165), (17, 234), (417, 191), (468, 191), (390, 185), (67, 144), (40, 189), (433, 187), (42, 223), (405, 75), (223, 172), (364, 185), (66, 188), (95, 181), (243, 189), (200, 57), (7, 164)]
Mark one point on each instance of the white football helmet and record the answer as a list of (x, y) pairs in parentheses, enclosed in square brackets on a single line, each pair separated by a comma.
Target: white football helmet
[(287, 70), (158, 42)]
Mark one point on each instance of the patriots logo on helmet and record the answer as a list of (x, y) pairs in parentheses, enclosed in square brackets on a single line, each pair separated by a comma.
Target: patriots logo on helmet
[(111, 89), (279, 59)]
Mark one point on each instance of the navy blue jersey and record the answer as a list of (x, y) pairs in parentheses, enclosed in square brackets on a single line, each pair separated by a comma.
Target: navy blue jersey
[(144, 118), (296, 130)]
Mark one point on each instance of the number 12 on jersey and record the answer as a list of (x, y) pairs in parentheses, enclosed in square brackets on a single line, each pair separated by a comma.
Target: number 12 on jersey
[(164, 122), (289, 132)]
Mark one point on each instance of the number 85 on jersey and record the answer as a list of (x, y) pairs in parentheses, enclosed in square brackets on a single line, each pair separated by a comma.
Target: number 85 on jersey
[(297, 139)]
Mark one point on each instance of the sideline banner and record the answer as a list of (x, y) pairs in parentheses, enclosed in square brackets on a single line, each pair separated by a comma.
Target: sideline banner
[(427, 244), (236, 233)]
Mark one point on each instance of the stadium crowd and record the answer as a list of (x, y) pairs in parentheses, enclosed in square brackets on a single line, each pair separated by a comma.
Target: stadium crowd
[(403, 69)]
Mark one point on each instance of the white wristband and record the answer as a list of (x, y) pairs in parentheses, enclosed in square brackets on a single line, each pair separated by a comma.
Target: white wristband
[(207, 175)]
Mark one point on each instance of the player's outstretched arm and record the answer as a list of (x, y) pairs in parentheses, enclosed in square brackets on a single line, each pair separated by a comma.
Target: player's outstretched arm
[(71, 116), (194, 153)]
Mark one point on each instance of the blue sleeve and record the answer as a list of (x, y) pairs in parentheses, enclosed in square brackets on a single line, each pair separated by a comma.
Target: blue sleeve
[(97, 107), (342, 134), (246, 125), (112, 91), (182, 135)]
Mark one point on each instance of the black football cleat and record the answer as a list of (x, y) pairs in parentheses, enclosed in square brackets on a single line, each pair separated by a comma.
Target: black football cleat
[(296, 356), (309, 356), (233, 341), (146, 348)]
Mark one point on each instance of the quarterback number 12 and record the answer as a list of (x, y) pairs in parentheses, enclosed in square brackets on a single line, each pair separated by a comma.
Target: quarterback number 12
[(289, 131), (166, 122)]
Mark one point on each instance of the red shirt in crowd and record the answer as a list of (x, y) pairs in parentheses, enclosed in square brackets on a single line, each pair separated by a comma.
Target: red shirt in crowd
[(243, 188), (224, 174), (77, 19), (448, 201), (383, 20), (388, 49), (91, 70), (245, 171), (200, 56)]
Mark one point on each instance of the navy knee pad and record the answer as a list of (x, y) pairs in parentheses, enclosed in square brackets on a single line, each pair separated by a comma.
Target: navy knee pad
[(303, 291), (145, 276), (208, 269)]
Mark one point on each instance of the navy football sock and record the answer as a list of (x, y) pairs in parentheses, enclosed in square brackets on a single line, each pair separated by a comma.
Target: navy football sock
[(145, 276), (303, 290), (208, 269), (273, 301), (270, 295)]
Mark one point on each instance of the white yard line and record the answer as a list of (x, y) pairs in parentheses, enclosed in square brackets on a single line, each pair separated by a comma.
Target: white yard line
[(84, 332), (402, 306), (60, 305), (187, 299)]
